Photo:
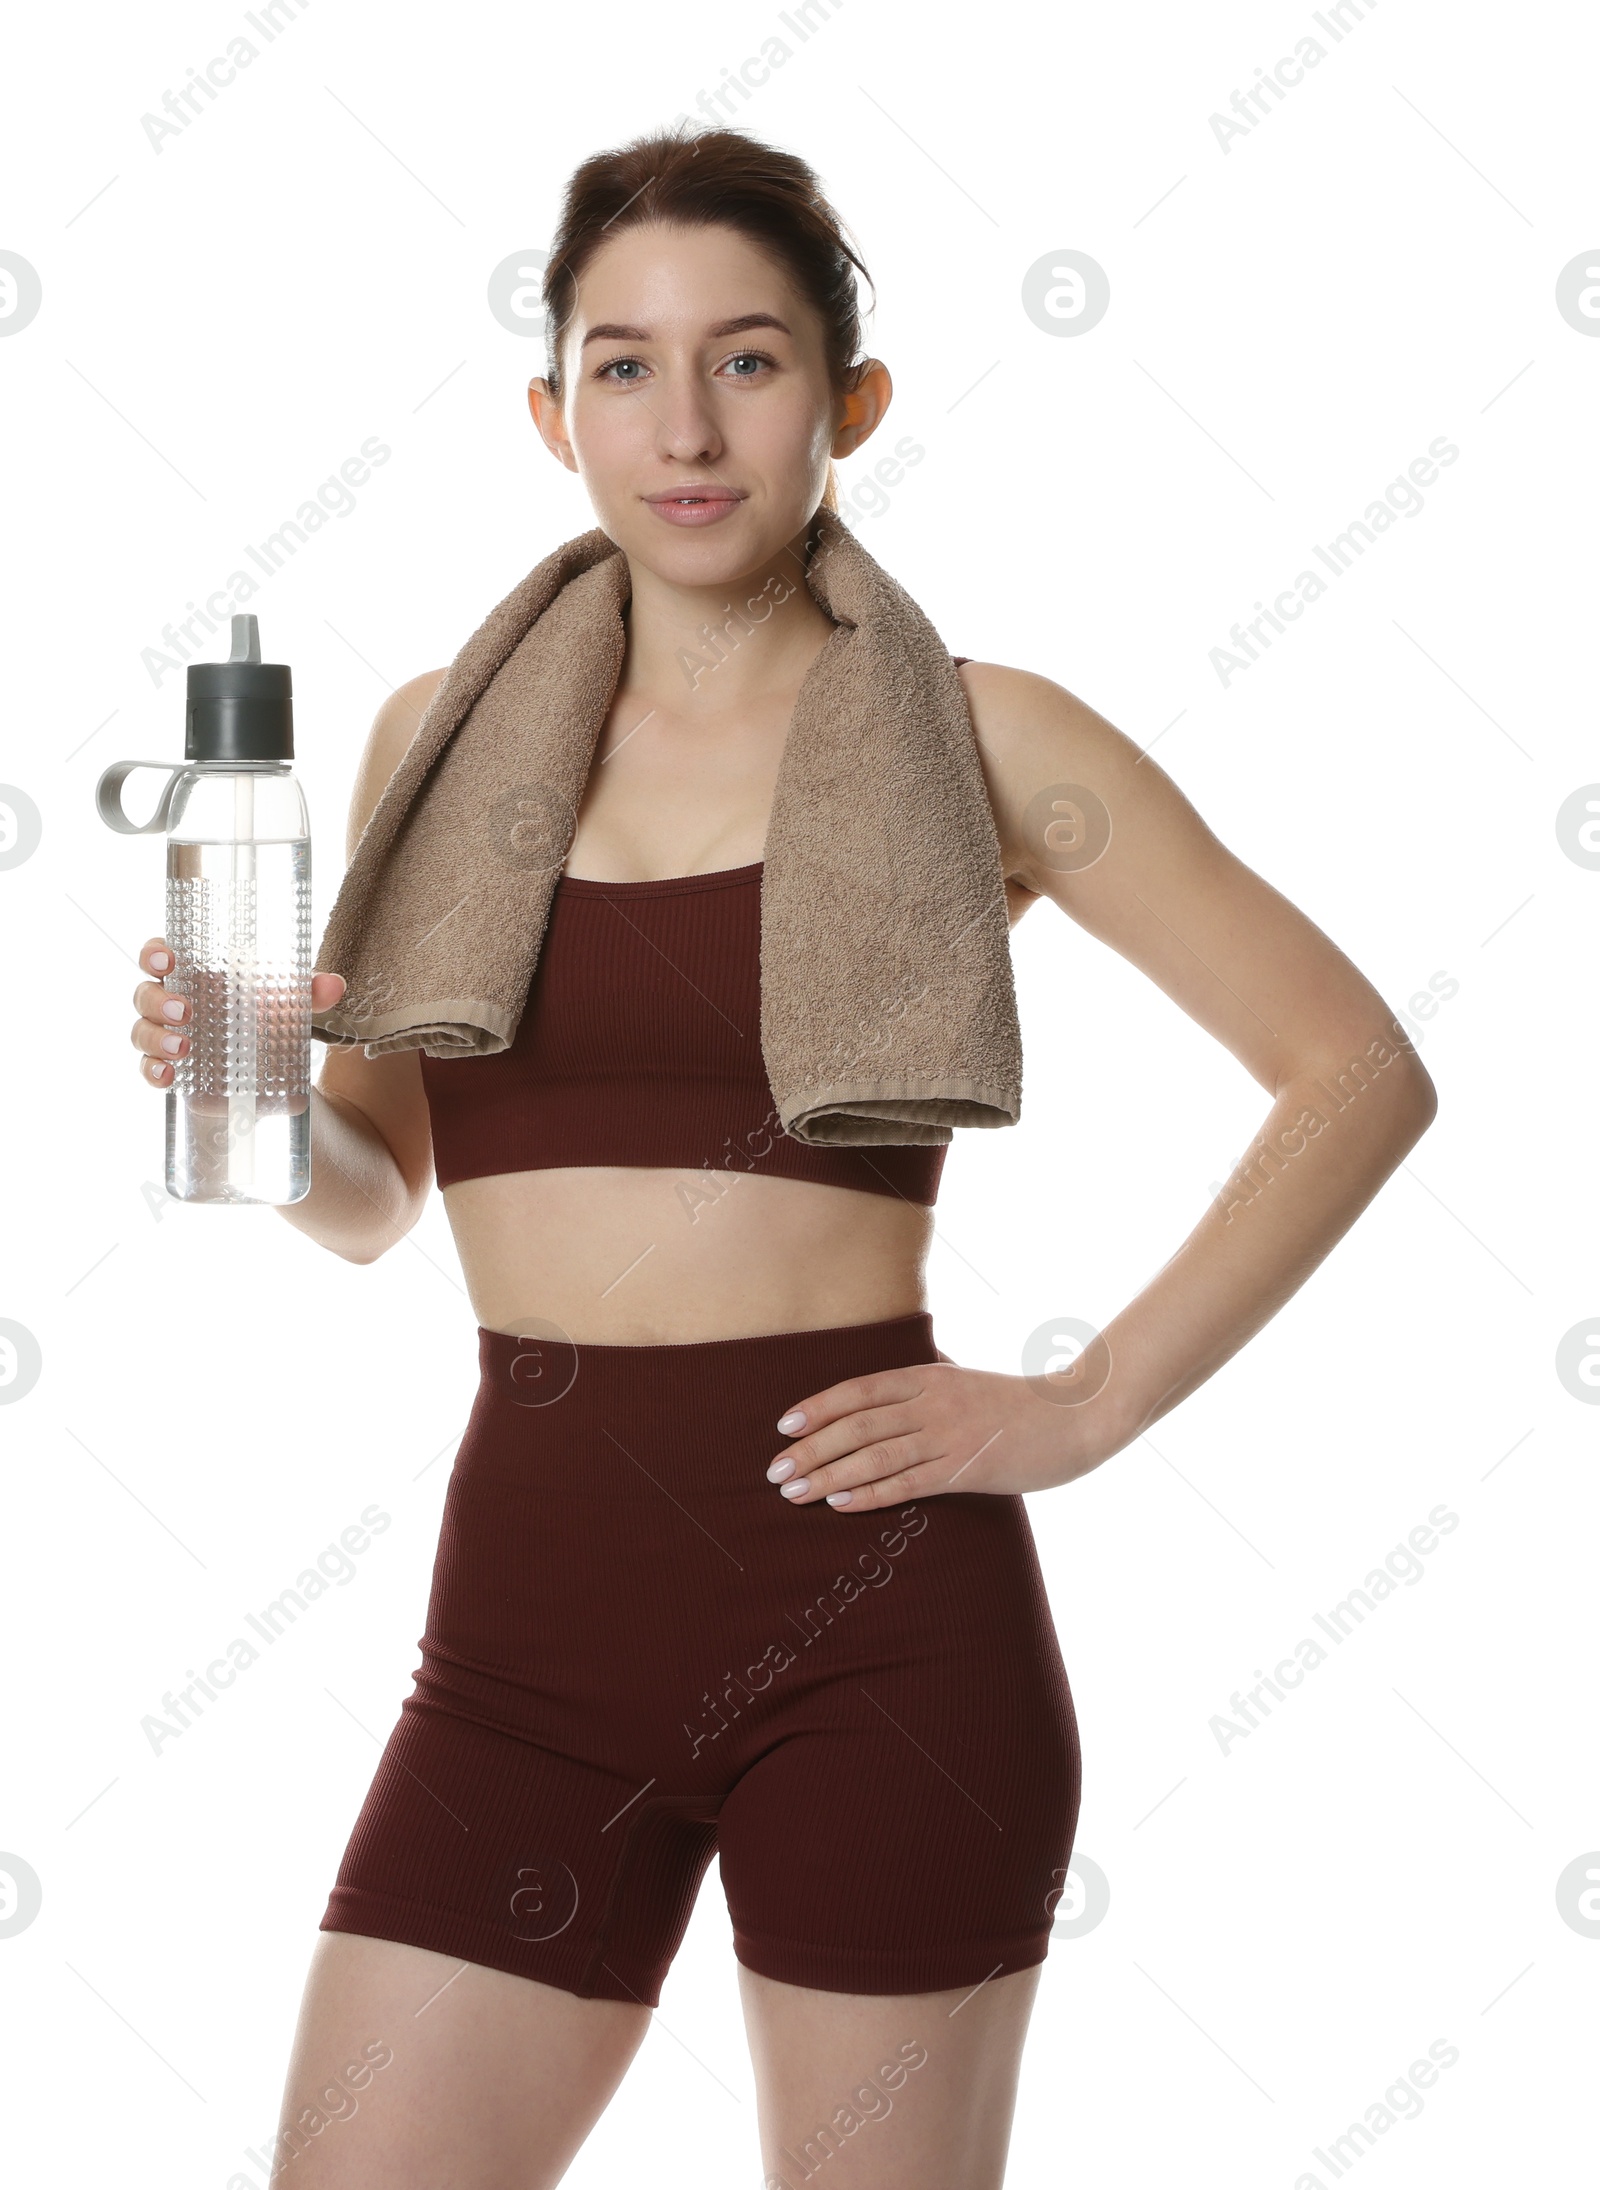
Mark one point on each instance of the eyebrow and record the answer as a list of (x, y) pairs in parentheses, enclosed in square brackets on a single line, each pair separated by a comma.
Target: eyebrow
[(612, 332)]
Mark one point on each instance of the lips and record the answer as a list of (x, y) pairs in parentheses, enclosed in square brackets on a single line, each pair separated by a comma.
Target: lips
[(691, 505)]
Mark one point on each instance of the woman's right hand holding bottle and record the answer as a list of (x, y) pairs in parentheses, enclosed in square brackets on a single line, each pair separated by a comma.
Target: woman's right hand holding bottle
[(161, 1031)]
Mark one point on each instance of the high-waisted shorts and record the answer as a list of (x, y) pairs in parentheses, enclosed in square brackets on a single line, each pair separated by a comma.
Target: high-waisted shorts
[(638, 1654)]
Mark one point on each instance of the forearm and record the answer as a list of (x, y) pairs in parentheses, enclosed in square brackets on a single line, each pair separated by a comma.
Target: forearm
[(1323, 1151), (359, 1203)]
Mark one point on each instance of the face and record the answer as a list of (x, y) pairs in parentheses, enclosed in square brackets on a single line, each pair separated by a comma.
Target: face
[(697, 407)]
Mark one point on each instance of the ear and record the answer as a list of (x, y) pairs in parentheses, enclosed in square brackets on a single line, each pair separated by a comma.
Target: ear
[(547, 417), (862, 406)]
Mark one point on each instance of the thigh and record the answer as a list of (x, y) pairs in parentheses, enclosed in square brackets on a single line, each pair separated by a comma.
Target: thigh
[(911, 1795), (410, 2069), (913, 2091)]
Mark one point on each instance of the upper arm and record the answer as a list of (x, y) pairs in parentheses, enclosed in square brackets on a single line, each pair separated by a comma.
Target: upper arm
[(393, 728), (388, 1088), (1089, 821)]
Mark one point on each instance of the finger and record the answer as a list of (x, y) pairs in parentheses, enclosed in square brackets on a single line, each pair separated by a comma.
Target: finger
[(882, 1458), (883, 1387), (156, 1040), (151, 1001), (847, 1434), (923, 1479), (156, 956), (322, 994), (161, 1046)]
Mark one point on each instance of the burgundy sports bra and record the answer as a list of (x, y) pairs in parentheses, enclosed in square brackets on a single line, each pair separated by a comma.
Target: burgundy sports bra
[(640, 1044)]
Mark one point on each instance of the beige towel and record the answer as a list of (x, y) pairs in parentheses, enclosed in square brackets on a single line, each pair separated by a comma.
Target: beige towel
[(888, 1012)]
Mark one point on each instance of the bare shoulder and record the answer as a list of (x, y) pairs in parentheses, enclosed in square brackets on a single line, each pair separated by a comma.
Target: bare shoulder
[(1011, 701), (393, 728), (1090, 820), (1057, 772), (388, 1089)]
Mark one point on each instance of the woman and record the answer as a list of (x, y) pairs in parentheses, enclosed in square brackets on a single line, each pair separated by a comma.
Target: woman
[(711, 1398)]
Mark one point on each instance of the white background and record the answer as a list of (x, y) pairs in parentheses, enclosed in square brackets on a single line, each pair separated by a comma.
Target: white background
[(1292, 321)]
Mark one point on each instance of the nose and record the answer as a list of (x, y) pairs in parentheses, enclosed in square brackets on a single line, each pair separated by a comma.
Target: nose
[(687, 431)]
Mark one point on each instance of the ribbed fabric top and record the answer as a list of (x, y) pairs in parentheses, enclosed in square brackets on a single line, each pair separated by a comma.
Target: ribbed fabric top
[(640, 1044)]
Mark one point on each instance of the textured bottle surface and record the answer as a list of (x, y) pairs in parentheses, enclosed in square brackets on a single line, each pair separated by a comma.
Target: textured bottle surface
[(239, 1109)]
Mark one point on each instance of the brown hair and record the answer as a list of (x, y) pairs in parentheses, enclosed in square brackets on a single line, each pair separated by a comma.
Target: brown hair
[(712, 178)]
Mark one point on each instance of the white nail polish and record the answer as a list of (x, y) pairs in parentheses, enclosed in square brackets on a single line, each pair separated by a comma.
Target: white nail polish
[(779, 1470), (838, 1497), (794, 1420), (796, 1490)]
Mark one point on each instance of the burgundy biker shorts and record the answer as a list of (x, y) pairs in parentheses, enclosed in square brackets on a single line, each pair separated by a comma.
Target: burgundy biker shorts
[(638, 1654)]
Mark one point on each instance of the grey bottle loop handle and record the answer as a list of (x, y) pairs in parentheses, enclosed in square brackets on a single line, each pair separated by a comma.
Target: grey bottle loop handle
[(108, 796)]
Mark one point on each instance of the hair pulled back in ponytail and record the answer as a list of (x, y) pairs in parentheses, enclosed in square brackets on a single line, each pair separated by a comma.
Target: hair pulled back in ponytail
[(711, 178)]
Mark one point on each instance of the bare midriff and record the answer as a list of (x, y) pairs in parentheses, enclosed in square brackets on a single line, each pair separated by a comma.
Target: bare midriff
[(635, 1257)]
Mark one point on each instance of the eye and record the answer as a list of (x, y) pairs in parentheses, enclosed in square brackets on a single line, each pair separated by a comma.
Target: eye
[(751, 357), (610, 366)]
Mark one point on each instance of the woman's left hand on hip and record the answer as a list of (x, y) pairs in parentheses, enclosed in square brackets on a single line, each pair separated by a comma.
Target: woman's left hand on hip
[(875, 1441)]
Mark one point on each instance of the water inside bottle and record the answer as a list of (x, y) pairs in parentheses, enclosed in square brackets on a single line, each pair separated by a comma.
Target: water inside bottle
[(239, 1109)]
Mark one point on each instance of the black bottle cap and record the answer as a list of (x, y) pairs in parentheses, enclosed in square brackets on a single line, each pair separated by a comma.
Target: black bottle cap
[(239, 709)]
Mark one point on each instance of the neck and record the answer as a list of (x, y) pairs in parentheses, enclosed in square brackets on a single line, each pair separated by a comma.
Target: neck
[(720, 647)]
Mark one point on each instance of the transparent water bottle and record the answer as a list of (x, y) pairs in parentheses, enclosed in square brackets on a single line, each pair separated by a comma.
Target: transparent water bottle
[(239, 927)]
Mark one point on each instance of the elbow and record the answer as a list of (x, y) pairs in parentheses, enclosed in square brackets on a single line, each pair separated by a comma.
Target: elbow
[(1381, 1081), (380, 1236), (347, 1247), (361, 1251), (1414, 1096), (375, 1238)]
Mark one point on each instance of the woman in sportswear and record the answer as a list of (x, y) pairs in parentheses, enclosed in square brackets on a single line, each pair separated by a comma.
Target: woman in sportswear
[(734, 1559)]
